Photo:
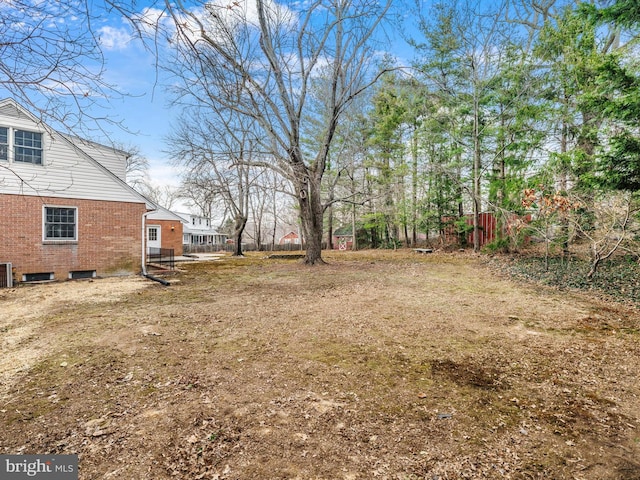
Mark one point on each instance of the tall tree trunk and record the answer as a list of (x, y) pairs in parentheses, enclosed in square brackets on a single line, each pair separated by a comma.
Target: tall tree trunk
[(330, 227), (414, 187), (311, 216), (238, 227), (462, 236), (477, 168), (498, 190), (354, 241), (274, 213), (354, 213), (564, 220)]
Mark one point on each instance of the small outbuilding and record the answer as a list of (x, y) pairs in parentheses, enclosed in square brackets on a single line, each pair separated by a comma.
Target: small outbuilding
[(291, 238), (343, 238)]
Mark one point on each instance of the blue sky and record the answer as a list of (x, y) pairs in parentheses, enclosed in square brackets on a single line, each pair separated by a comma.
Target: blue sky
[(145, 111)]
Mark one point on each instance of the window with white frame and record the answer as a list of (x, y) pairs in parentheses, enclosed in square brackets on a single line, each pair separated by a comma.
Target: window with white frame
[(4, 143), (22, 146), (60, 223), (27, 147)]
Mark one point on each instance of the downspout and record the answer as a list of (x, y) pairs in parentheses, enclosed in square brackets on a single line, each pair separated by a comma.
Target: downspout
[(144, 238), (144, 252)]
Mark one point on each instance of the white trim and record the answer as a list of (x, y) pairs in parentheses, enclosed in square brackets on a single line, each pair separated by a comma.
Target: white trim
[(8, 144), (11, 144), (51, 277), (59, 240), (144, 241), (157, 243)]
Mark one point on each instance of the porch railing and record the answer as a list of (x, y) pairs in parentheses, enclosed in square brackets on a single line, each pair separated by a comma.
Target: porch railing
[(163, 258)]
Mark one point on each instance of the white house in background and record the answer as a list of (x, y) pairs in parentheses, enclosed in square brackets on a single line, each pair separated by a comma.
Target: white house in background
[(197, 231)]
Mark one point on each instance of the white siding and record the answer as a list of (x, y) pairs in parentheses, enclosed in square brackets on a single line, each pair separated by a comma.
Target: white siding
[(113, 160), (10, 110), (163, 214), (65, 172)]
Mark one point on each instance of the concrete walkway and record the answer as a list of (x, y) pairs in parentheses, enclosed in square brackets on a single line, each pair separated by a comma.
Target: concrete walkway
[(200, 257)]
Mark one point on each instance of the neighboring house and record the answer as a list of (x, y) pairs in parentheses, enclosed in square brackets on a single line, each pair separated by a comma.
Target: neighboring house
[(198, 233), (65, 209), (291, 238), (164, 229)]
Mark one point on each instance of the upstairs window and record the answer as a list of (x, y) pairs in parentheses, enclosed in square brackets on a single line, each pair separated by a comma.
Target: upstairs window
[(28, 147), (4, 143), (60, 223)]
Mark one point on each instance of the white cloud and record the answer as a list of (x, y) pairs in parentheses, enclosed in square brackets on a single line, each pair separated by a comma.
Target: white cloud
[(112, 38), (162, 173), (218, 18), (151, 20)]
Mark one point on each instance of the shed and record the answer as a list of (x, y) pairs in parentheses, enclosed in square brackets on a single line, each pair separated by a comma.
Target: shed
[(343, 238)]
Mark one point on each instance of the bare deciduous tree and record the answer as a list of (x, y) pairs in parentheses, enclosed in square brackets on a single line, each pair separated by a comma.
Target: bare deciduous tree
[(51, 61), (258, 58), (613, 228), (163, 195), (218, 153), (137, 167)]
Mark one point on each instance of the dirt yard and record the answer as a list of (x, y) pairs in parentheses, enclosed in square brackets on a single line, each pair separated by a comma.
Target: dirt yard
[(379, 365)]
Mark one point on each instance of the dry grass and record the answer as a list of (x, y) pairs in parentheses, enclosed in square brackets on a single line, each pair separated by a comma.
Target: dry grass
[(379, 365)]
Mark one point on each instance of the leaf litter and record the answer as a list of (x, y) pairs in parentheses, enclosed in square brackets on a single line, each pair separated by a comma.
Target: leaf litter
[(377, 365)]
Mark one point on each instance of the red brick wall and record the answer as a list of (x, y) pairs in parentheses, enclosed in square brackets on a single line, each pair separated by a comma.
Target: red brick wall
[(109, 237), (168, 238)]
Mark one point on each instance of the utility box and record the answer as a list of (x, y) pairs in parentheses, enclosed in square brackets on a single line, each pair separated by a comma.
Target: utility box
[(6, 275)]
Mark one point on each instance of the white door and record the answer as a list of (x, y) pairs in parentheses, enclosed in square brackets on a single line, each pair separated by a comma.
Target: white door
[(153, 237)]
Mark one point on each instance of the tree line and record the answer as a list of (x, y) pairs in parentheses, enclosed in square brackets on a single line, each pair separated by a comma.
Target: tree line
[(528, 109)]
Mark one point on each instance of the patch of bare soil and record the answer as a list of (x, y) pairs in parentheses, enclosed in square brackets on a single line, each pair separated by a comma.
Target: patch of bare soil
[(378, 365), (25, 336)]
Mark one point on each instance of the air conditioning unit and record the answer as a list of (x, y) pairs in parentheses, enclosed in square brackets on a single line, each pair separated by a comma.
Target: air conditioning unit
[(6, 275)]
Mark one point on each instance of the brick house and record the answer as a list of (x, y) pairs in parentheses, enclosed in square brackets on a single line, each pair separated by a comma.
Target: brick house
[(65, 209), (164, 229)]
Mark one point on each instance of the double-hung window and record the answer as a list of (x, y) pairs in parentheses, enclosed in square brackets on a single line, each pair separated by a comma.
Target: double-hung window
[(22, 146), (60, 223), (4, 143), (27, 147)]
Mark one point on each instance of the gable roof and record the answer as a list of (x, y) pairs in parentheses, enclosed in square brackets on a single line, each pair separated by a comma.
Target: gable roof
[(9, 107), (162, 213), (109, 157), (345, 231)]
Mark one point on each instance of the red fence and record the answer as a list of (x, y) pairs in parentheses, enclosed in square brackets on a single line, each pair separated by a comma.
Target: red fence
[(487, 226)]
